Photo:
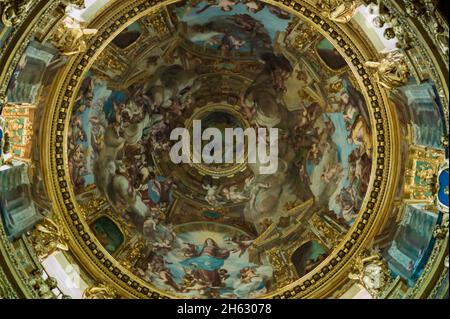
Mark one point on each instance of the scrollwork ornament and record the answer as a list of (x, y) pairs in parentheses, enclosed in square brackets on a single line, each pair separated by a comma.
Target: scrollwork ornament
[(412, 9), (12, 12), (47, 238)]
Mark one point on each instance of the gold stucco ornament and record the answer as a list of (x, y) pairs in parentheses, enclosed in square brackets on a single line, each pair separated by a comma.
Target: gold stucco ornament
[(12, 12)]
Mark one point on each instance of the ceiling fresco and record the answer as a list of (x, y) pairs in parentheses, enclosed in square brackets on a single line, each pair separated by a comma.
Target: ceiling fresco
[(355, 205), (119, 147)]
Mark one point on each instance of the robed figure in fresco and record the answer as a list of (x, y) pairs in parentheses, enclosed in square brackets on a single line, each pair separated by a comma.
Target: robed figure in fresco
[(205, 261)]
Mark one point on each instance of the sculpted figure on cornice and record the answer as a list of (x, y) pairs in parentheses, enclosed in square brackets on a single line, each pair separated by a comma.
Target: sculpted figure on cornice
[(100, 291), (391, 71), (47, 238), (70, 37), (341, 11), (371, 272), (12, 12)]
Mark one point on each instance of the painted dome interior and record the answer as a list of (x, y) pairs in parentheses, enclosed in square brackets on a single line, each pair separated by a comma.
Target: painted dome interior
[(88, 182)]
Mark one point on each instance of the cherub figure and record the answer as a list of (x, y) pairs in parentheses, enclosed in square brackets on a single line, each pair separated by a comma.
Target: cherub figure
[(149, 226), (224, 5), (212, 192), (97, 135), (247, 274), (334, 172), (253, 6), (159, 246), (233, 195), (132, 113), (190, 250), (314, 154), (242, 242)]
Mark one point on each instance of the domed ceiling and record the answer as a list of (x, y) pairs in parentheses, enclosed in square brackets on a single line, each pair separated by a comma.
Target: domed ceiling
[(212, 229), (356, 150)]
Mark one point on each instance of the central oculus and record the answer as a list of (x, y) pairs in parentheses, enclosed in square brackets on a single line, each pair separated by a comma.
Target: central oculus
[(218, 139)]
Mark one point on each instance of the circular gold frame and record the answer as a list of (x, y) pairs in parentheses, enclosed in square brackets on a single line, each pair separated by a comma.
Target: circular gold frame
[(103, 267)]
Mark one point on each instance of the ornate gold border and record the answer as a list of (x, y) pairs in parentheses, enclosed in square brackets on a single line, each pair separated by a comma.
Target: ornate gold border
[(104, 267)]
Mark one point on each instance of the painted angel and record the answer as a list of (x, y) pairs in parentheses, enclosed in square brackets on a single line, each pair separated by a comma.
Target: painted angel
[(253, 6), (117, 124), (224, 5), (253, 188), (242, 243), (232, 194), (334, 172), (149, 226), (212, 194)]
